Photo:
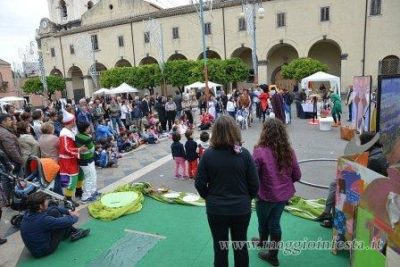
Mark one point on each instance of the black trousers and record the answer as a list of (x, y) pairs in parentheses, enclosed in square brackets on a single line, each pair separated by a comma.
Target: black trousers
[(237, 225), (189, 116)]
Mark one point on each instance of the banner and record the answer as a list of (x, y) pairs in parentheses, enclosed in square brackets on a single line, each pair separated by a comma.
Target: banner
[(361, 102), (388, 119)]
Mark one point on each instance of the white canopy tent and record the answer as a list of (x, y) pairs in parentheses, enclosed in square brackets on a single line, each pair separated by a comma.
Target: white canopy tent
[(199, 85), (321, 76), (12, 99), (101, 91), (122, 89)]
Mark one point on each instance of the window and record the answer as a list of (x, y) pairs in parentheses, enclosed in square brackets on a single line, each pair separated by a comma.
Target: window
[(175, 33), (375, 8), (325, 13), (63, 9), (147, 37), (53, 52), (390, 65), (207, 28), (95, 43), (242, 24), (121, 41), (281, 20), (89, 5), (72, 49)]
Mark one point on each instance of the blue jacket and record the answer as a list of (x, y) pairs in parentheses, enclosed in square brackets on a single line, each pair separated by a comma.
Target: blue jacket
[(103, 132), (178, 150), (36, 230), (103, 162), (190, 148)]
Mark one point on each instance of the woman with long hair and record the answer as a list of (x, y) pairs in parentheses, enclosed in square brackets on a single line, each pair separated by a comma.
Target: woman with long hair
[(227, 180), (278, 170)]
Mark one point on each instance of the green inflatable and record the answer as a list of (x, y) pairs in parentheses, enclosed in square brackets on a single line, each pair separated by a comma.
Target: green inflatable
[(124, 200)]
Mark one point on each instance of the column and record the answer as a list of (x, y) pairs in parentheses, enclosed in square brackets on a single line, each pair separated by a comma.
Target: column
[(69, 87), (262, 72), (88, 85)]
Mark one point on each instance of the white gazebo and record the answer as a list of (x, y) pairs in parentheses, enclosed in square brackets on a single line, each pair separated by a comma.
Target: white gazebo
[(122, 89), (101, 91), (321, 76), (199, 85)]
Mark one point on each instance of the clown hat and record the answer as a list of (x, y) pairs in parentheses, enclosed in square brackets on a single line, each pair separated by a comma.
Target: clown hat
[(67, 117)]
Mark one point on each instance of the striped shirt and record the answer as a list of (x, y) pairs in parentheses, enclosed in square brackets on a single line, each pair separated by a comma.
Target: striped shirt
[(87, 157)]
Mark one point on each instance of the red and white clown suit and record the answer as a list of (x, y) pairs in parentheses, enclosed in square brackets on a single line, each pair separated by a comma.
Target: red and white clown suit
[(69, 155)]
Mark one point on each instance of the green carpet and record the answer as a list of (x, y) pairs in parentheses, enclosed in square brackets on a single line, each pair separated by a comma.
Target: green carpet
[(188, 240)]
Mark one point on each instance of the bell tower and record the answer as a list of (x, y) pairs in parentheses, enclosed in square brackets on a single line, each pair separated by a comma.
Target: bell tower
[(64, 11)]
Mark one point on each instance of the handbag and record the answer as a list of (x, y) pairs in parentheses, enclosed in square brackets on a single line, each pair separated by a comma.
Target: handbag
[(347, 133)]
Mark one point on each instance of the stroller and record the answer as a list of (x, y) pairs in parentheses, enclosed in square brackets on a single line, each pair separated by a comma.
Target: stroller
[(40, 174), (242, 117)]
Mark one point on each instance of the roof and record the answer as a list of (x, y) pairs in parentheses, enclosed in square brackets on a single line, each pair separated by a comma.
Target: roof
[(2, 62)]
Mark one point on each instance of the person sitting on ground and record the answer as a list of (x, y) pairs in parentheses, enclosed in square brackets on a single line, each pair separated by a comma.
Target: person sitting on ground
[(205, 121), (105, 160), (103, 131), (182, 128), (149, 135), (376, 162), (44, 226), (123, 143)]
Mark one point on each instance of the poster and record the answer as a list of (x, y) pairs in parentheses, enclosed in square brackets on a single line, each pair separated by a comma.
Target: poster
[(361, 100), (388, 119)]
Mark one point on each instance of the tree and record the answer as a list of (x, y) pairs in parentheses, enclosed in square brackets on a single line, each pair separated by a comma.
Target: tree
[(148, 76), (222, 71), (35, 86), (180, 73), (301, 68)]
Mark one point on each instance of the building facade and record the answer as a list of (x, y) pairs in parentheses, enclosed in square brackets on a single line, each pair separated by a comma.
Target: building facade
[(354, 38)]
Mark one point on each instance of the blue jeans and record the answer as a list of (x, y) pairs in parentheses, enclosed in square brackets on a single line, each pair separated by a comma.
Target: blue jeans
[(288, 109), (269, 216), (115, 121)]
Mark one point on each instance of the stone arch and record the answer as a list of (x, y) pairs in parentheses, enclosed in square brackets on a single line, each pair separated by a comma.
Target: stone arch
[(56, 72), (390, 65), (211, 54), (279, 55), (328, 52), (177, 56), (244, 53), (148, 60), (77, 88), (99, 68), (123, 63)]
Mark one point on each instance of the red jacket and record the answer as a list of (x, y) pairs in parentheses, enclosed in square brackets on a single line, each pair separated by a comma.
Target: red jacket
[(264, 101), (69, 153)]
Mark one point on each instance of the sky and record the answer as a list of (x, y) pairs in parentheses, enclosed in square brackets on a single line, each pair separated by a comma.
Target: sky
[(19, 20)]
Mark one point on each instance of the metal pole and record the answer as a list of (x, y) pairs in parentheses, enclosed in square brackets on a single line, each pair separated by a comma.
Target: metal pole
[(254, 52), (204, 47)]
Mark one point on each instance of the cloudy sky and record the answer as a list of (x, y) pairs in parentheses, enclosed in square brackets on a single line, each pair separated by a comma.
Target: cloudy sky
[(20, 18)]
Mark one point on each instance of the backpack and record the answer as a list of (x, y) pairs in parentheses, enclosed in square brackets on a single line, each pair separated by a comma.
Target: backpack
[(288, 99)]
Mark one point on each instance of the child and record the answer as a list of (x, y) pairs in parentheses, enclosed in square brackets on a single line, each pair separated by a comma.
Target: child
[(152, 121), (181, 128), (191, 154), (97, 154), (123, 143), (150, 135), (203, 143), (105, 160), (178, 154), (86, 162), (205, 121)]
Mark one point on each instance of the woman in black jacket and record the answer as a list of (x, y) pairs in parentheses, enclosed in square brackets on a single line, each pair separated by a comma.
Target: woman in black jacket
[(227, 179), (162, 114)]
